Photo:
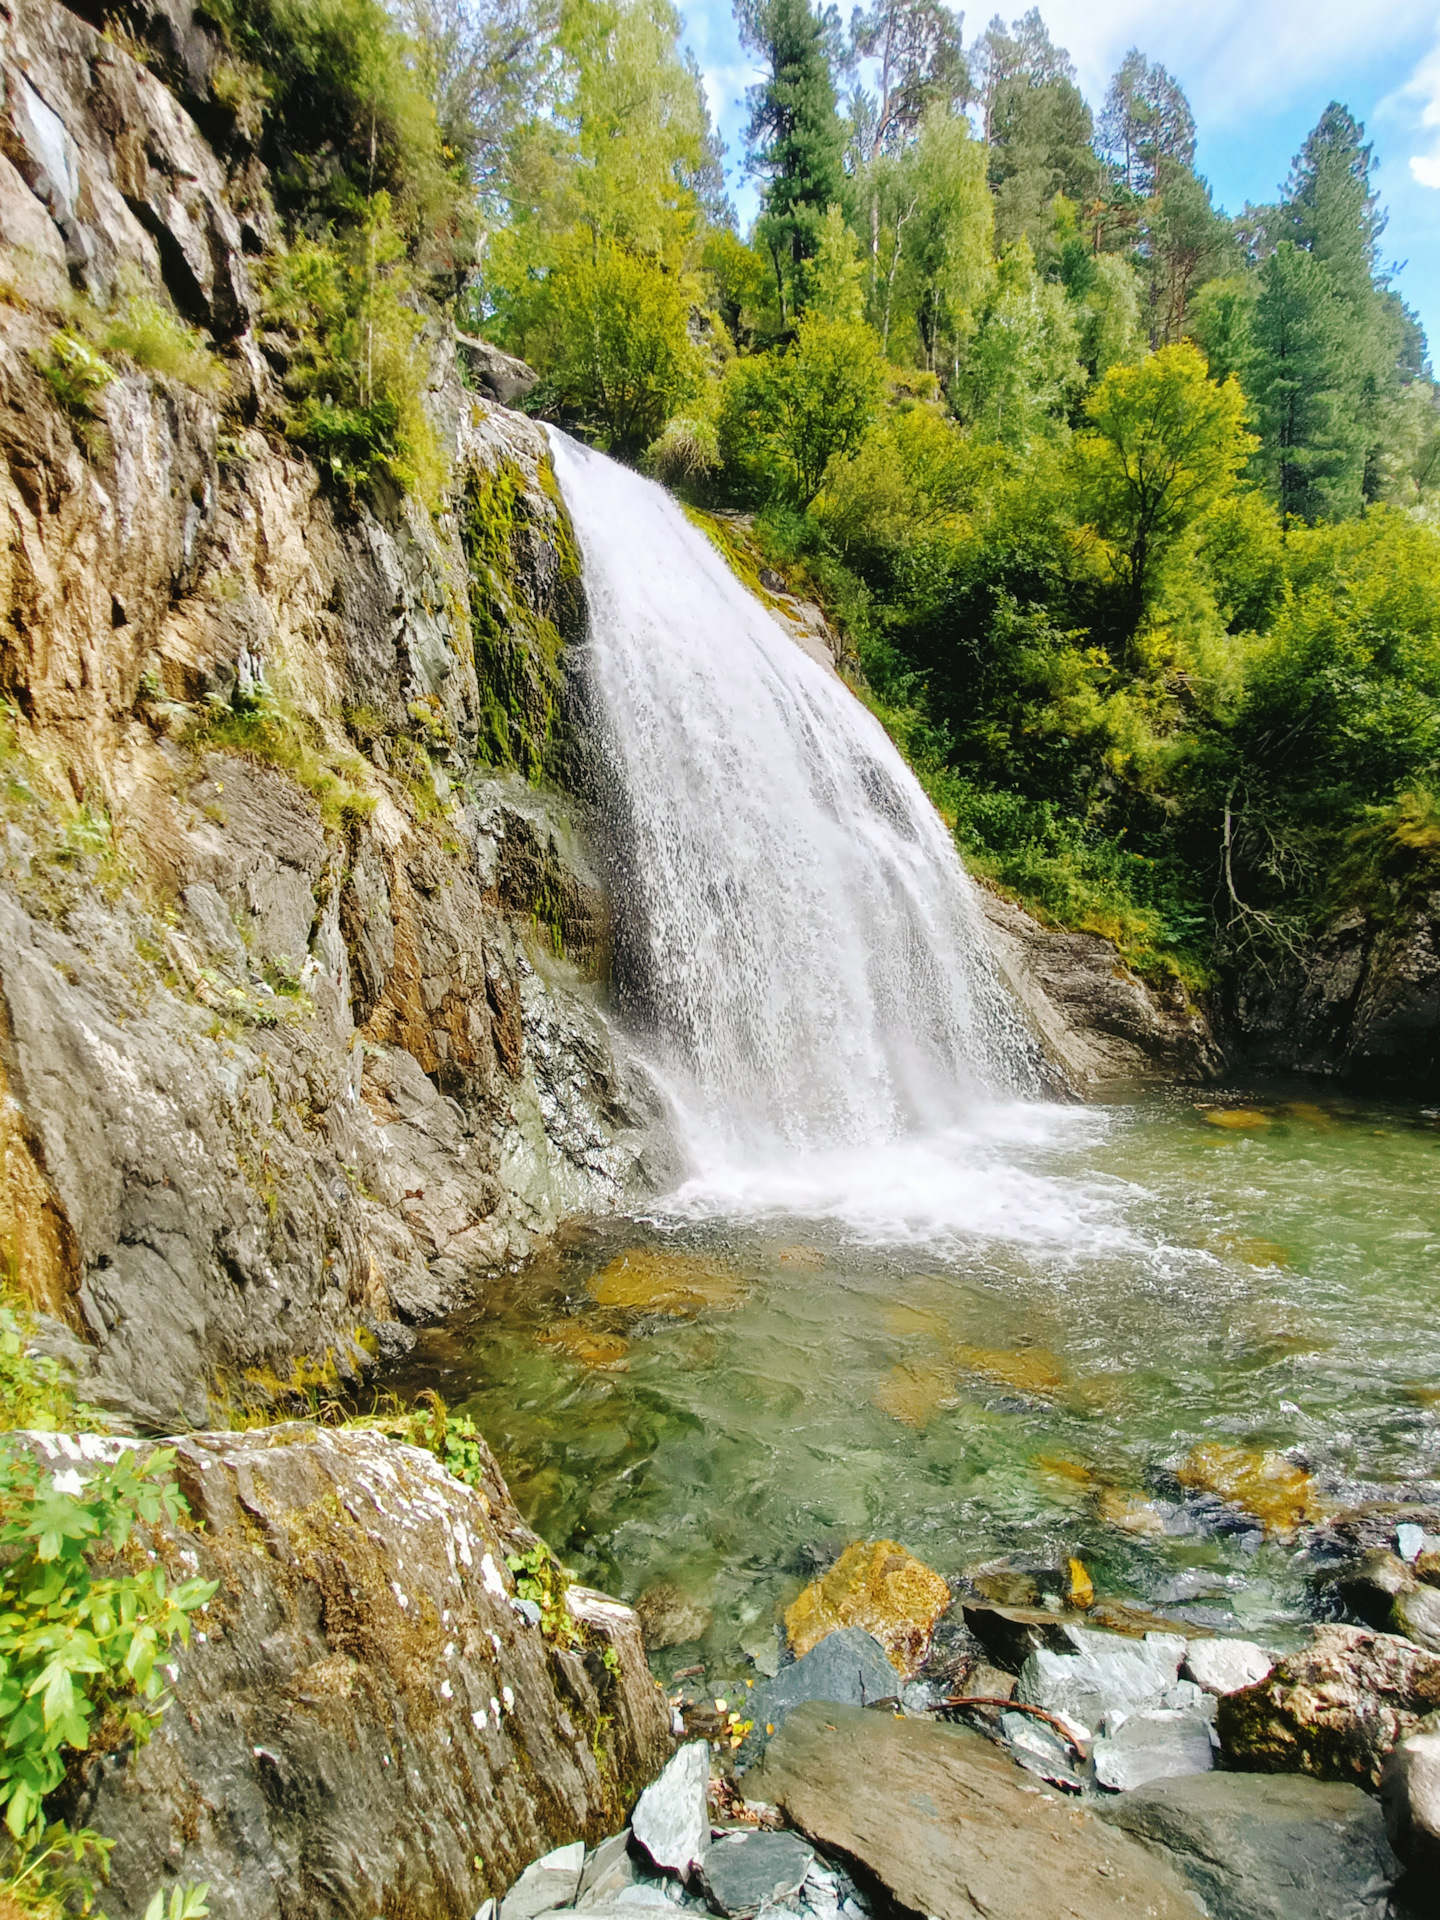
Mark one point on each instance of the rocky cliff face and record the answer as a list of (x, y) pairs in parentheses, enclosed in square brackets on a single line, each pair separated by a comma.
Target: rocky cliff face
[(1361, 1002), (365, 1721), (298, 1022)]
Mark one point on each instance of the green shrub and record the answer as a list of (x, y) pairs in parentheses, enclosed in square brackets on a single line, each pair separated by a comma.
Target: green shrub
[(274, 733), (357, 377), (77, 375), (77, 1643), (156, 339)]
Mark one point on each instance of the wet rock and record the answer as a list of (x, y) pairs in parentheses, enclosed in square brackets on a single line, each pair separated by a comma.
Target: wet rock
[(1098, 1022), (1367, 1588), (1152, 1746), (944, 1822), (1416, 1614), (848, 1667), (671, 1820), (877, 1585), (608, 1871), (747, 1871), (1101, 1673), (984, 1682), (1284, 1848), (1280, 1495), (1010, 1635), (362, 1716), (670, 1618), (549, 1882), (1410, 1795), (1225, 1666), (1039, 1749), (679, 1285), (1334, 1709)]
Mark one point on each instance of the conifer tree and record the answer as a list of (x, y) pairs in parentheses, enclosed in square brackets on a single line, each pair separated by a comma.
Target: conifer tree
[(795, 139)]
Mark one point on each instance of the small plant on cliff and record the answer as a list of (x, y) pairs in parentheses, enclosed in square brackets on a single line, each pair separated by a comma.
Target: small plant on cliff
[(357, 374), (77, 375), (77, 1641)]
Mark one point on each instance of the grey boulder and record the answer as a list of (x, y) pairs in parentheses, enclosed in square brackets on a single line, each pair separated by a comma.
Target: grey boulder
[(549, 1882), (609, 1870), (1267, 1848), (849, 1668), (1410, 1795), (672, 1816), (747, 1871), (1153, 1746), (1104, 1674), (1224, 1666)]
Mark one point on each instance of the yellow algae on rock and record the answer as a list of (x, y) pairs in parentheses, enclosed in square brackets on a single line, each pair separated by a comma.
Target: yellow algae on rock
[(1079, 1587), (908, 1323), (654, 1280), (877, 1585), (913, 1394), (1131, 1512), (606, 1350), (1027, 1369), (1237, 1119), (1278, 1493), (1254, 1252)]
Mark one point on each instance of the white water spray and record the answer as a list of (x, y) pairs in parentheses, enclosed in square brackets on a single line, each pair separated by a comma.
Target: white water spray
[(796, 928)]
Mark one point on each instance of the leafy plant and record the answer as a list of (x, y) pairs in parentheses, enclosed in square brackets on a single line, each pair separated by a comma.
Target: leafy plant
[(77, 1643), (185, 1903), (357, 376), (540, 1579), (77, 375)]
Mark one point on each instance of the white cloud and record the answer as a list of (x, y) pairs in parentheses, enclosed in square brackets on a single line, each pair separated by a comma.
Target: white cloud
[(1423, 86)]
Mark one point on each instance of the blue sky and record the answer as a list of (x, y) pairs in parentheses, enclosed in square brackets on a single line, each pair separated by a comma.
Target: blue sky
[(1258, 74)]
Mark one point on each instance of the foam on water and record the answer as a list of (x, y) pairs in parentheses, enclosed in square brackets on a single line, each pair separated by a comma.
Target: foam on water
[(795, 932)]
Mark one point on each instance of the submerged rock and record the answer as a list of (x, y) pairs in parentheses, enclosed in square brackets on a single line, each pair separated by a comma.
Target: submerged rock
[(1010, 1635), (877, 1585), (670, 1618), (672, 1816), (1280, 1495), (1335, 1709), (1279, 1849), (679, 1285), (747, 1871), (363, 1718), (948, 1827)]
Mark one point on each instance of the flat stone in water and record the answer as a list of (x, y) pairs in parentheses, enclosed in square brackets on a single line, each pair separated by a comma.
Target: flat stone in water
[(1153, 1746), (751, 1870), (950, 1826), (672, 1816), (1267, 1847)]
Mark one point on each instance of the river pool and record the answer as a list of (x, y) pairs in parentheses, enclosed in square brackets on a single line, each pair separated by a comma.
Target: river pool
[(1005, 1340)]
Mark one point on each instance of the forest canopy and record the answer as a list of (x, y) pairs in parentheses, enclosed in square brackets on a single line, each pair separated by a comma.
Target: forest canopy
[(1128, 506)]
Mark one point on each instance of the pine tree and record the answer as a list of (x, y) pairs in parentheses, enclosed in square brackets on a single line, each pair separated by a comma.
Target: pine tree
[(1304, 389), (795, 137)]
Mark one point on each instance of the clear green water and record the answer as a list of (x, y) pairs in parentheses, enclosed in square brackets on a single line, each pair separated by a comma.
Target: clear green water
[(964, 1348)]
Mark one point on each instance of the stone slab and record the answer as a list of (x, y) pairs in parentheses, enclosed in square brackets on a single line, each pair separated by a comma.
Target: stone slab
[(1224, 1666), (849, 1667), (1101, 1674), (950, 1827), (1273, 1847), (672, 1816), (1153, 1746), (547, 1883), (608, 1871), (747, 1871)]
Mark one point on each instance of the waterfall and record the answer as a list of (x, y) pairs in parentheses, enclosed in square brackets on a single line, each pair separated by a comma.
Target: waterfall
[(795, 930)]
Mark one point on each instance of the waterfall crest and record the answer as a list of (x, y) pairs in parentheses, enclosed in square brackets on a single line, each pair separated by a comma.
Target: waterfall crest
[(795, 928)]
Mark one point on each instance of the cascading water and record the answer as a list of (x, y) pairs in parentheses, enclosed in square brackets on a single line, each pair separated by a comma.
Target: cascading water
[(797, 930)]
